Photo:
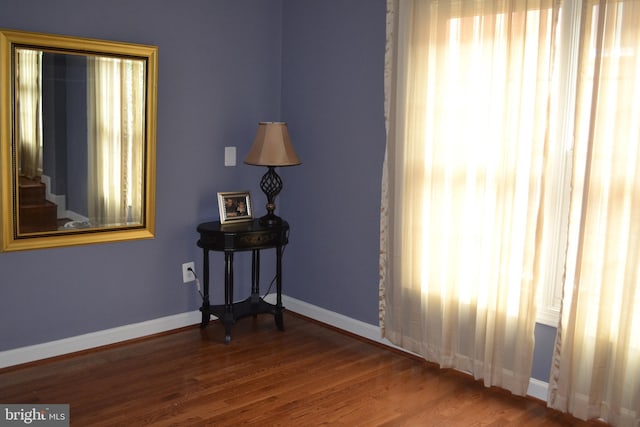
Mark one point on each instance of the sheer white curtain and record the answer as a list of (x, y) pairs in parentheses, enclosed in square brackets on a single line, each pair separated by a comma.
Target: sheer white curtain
[(116, 140), (467, 107), (28, 83), (596, 369)]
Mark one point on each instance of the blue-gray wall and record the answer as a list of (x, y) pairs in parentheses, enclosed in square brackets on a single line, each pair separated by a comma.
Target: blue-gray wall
[(333, 95), (224, 66)]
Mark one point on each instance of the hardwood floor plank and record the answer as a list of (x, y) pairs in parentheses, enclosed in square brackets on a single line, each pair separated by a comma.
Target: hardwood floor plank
[(307, 375)]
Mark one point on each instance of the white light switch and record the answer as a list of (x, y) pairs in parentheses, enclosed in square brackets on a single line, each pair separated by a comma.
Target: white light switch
[(229, 156)]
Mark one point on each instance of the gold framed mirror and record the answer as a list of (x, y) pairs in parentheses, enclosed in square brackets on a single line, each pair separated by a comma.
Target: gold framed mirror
[(77, 140)]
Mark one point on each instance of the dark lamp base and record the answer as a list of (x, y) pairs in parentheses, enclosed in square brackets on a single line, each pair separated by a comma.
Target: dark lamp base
[(270, 220)]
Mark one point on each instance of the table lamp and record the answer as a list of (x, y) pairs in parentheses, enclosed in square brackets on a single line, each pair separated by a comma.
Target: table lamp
[(271, 148)]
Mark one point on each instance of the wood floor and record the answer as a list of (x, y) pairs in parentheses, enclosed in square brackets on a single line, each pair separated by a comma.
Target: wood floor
[(307, 375)]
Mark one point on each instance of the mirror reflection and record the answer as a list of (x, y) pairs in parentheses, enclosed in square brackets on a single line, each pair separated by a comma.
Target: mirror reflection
[(78, 140)]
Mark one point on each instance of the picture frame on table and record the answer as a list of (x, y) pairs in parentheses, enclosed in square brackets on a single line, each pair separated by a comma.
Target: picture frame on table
[(235, 206)]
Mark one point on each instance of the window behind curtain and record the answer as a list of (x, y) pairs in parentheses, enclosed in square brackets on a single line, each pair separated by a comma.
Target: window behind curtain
[(468, 139), (514, 169)]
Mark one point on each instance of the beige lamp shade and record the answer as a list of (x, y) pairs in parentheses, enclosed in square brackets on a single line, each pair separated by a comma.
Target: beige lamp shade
[(272, 146)]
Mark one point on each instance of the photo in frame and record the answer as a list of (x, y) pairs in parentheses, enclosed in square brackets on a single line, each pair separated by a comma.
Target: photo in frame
[(235, 206)]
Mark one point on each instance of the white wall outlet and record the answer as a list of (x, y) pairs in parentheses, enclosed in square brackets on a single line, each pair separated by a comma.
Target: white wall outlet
[(229, 156), (187, 275)]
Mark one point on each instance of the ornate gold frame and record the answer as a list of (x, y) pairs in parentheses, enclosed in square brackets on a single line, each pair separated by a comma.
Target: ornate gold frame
[(10, 239)]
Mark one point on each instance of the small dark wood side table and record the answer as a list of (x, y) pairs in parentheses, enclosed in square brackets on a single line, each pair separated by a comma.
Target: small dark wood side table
[(231, 238)]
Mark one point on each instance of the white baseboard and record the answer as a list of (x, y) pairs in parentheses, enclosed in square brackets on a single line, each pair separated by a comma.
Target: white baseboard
[(46, 350), (356, 327), (537, 388)]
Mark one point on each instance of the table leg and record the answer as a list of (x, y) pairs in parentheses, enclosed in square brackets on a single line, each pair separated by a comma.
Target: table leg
[(278, 315), (205, 309), (228, 319), (255, 278)]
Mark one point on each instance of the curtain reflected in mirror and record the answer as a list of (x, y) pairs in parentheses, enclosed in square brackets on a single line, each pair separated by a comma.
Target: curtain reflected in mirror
[(83, 166), (29, 108), (116, 140)]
